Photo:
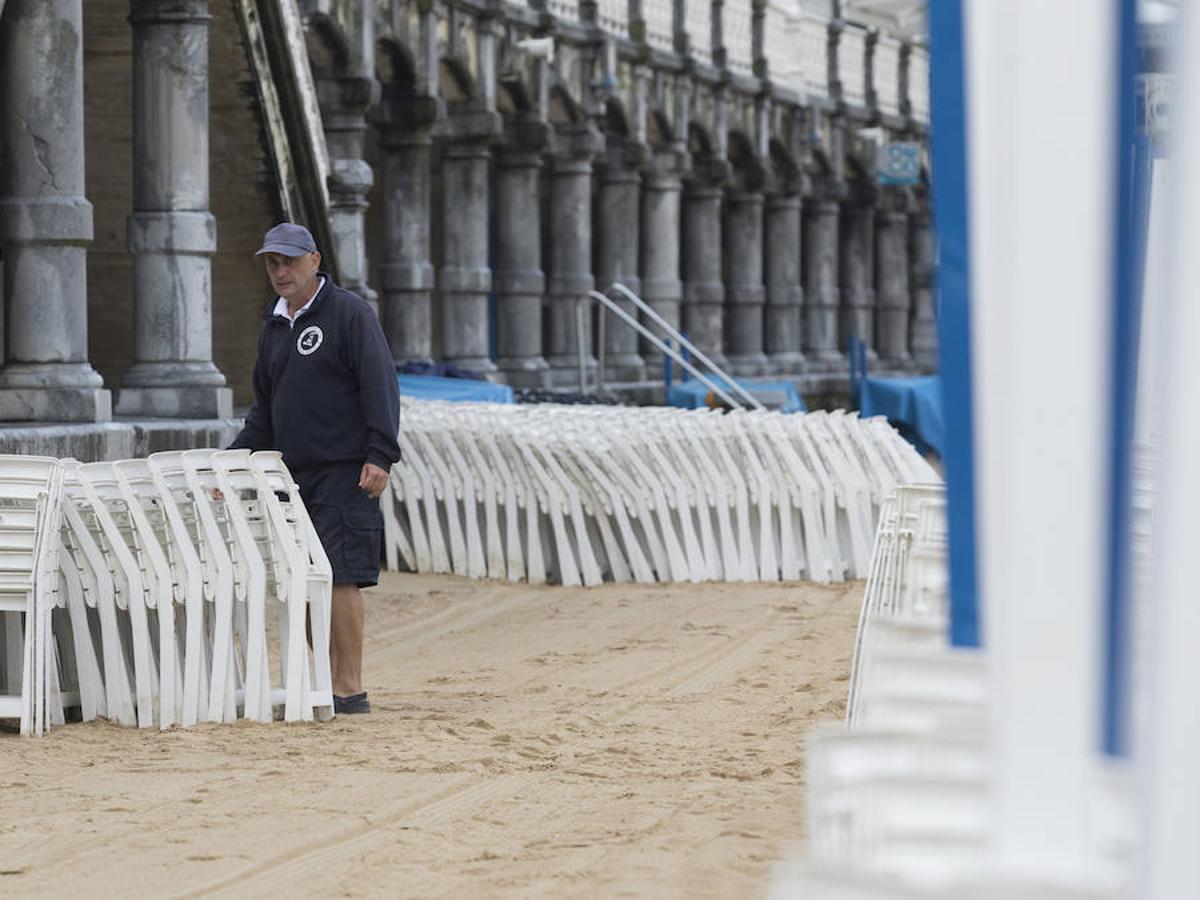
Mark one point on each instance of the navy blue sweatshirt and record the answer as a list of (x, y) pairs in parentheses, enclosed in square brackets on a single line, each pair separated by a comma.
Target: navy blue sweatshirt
[(325, 390)]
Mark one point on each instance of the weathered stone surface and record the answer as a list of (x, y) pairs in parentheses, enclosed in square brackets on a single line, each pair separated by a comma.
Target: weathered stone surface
[(570, 268), (785, 293), (703, 288), (171, 234), (465, 279), (45, 220), (617, 246), (891, 285), (857, 263), (821, 293), (520, 283), (924, 336), (745, 294), (407, 274), (661, 236)]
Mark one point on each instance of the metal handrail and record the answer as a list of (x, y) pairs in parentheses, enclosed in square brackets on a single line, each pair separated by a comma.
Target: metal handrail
[(684, 342), (663, 347)]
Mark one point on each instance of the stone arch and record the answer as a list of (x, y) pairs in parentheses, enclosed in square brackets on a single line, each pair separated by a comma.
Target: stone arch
[(563, 110), (659, 133), (700, 144), (513, 97), (785, 170), (395, 64), (455, 83), (327, 44), (747, 167), (615, 120)]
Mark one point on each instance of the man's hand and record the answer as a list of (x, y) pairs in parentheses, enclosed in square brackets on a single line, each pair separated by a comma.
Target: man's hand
[(373, 480)]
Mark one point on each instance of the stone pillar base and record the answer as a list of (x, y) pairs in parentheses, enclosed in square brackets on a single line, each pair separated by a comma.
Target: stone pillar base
[(188, 401), (791, 362), (481, 364), (826, 361), (749, 364), (564, 372), (46, 404), (525, 372), (624, 367)]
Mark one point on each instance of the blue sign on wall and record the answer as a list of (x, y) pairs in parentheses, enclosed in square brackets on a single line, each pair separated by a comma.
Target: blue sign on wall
[(899, 163)]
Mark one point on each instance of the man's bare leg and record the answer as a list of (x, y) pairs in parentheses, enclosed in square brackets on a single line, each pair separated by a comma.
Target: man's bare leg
[(346, 640)]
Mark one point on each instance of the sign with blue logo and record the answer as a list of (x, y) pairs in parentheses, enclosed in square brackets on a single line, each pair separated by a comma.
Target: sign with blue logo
[(899, 163)]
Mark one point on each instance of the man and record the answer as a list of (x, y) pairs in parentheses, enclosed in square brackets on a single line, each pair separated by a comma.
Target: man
[(325, 394)]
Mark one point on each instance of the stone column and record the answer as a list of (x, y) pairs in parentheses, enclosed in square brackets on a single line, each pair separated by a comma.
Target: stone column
[(856, 258), (703, 289), (45, 220), (407, 270), (821, 285), (785, 295), (520, 283), (617, 261), (172, 235), (924, 338), (660, 233), (891, 284), (344, 104), (570, 263), (745, 295), (465, 279)]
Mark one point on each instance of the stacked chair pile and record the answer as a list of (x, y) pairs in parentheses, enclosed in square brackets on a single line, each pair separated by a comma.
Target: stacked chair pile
[(145, 591), (902, 789), (580, 495)]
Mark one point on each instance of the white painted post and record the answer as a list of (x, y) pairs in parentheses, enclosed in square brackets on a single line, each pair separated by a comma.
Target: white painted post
[(1040, 253)]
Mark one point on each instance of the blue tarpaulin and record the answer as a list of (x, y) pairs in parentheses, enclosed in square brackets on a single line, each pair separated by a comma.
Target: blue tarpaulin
[(913, 405), (779, 395), (432, 387)]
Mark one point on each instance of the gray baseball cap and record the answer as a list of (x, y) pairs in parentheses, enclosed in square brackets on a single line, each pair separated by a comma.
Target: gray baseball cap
[(287, 239)]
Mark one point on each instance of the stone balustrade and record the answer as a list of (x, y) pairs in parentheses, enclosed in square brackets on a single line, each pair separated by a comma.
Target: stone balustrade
[(885, 71), (852, 65)]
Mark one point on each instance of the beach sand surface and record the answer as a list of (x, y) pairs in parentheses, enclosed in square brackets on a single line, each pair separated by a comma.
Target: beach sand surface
[(627, 740)]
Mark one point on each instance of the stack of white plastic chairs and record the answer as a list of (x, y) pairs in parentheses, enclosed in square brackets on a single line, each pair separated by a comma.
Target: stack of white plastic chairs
[(162, 582), (902, 788), (30, 491), (584, 494)]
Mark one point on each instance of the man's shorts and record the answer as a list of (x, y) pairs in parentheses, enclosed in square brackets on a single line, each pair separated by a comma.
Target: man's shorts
[(348, 521)]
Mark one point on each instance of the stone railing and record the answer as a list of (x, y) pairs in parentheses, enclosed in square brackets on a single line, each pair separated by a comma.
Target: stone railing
[(852, 65), (809, 37), (886, 71), (567, 10), (660, 23), (918, 84), (736, 31), (613, 17), (782, 50), (699, 29)]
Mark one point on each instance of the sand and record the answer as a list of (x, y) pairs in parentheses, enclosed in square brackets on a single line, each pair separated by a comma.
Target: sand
[(643, 741)]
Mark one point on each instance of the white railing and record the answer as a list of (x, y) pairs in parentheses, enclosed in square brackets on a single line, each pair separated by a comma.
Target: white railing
[(736, 30), (810, 37), (699, 29), (918, 83), (613, 17), (660, 23), (852, 65), (782, 51), (567, 10), (887, 75)]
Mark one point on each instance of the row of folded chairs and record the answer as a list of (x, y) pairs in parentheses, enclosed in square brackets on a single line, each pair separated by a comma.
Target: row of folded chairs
[(580, 495), (900, 791), (146, 591)]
